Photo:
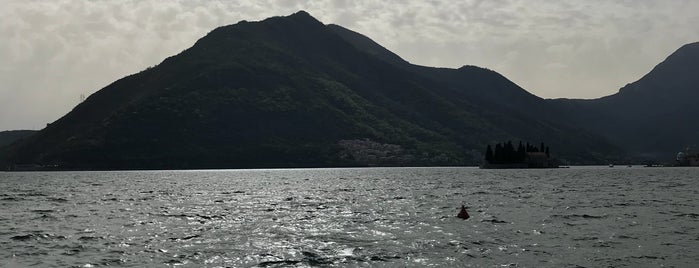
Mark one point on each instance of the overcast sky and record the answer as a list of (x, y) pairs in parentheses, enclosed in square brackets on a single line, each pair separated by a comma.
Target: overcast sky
[(51, 52)]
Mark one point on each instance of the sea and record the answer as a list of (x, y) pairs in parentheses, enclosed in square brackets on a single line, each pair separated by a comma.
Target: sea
[(352, 217)]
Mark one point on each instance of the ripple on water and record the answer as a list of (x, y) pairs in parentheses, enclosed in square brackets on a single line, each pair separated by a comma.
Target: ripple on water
[(37, 236), (11, 198), (350, 217), (57, 199)]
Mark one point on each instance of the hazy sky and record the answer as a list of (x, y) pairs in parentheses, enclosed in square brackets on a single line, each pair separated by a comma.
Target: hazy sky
[(51, 52)]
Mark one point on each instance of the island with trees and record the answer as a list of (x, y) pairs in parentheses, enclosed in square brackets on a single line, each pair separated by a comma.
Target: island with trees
[(524, 155)]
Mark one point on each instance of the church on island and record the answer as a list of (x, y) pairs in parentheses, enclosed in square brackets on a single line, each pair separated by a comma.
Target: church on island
[(505, 155), (688, 158)]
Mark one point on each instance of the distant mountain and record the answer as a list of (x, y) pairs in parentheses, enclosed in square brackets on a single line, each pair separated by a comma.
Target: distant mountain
[(10, 136), (652, 118), (293, 92)]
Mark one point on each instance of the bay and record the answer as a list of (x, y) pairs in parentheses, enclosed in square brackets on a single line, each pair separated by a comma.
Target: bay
[(378, 217)]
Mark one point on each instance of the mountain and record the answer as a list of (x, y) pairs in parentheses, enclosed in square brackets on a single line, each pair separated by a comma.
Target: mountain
[(652, 118), (293, 92), (10, 136), (498, 100)]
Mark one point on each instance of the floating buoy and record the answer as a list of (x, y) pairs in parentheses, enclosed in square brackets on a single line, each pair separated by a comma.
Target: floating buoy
[(463, 214)]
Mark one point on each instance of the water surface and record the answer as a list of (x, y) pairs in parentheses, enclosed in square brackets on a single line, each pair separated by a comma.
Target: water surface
[(392, 217)]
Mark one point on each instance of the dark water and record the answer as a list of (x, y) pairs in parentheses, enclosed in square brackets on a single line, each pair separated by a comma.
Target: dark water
[(578, 217)]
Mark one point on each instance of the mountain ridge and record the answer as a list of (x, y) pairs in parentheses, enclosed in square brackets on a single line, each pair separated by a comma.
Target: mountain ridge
[(652, 117), (292, 92)]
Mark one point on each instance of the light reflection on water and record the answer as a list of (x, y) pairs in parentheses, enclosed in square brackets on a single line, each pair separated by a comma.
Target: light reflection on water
[(351, 217)]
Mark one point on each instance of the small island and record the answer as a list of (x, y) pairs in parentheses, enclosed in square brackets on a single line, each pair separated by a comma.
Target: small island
[(505, 155)]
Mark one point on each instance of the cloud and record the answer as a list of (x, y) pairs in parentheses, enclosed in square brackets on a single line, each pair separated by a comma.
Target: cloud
[(53, 51)]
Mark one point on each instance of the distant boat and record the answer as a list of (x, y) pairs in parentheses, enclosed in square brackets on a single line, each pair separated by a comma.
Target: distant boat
[(611, 165)]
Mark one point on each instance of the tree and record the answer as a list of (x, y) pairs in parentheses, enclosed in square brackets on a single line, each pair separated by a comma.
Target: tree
[(521, 152), (498, 155), (509, 152), (506, 153), (489, 155)]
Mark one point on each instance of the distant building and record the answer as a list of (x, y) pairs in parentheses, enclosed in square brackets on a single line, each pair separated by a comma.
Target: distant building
[(688, 158), (538, 160)]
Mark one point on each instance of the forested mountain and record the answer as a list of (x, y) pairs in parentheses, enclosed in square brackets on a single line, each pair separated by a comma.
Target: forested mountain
[(652, 118), (522, 114), (293, 92)]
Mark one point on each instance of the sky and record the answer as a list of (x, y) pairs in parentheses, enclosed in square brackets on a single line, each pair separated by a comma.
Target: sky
[(52, 52)]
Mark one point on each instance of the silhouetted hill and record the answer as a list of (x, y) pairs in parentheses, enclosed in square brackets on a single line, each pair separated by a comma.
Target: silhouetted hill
[(10, 136), (500, 101), (652, 118), (293, 92)]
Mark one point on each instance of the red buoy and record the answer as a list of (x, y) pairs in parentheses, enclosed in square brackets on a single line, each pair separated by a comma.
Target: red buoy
[(463, 214)]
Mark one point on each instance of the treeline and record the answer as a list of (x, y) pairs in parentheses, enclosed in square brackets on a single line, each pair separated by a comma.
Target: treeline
[(506, 153)]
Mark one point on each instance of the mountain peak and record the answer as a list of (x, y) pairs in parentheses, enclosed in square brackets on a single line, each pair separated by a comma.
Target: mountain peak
[(300, 17), (273, 28), (675, 75), (301, 14)]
